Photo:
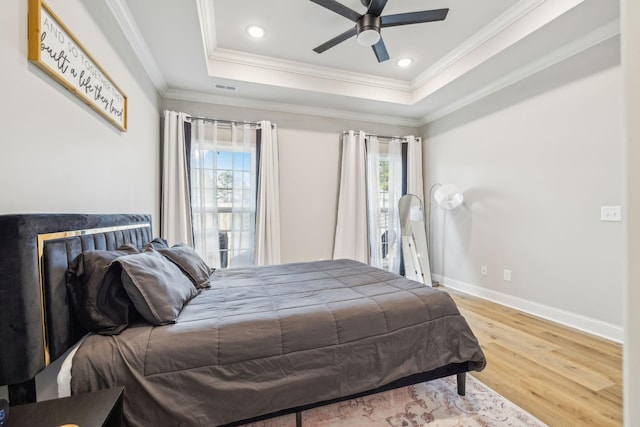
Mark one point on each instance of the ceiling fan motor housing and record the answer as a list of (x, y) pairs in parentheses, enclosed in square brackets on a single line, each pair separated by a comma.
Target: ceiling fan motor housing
[(368, 27)]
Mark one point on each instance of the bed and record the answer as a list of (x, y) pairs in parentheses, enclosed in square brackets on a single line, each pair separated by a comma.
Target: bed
[(259, 342)]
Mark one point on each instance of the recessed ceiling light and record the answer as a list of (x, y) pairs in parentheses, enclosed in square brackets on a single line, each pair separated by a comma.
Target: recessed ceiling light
[(404, 62), (256, 31)]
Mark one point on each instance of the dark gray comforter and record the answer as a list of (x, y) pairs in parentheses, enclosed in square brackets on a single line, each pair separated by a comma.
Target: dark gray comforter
[(269, 338)]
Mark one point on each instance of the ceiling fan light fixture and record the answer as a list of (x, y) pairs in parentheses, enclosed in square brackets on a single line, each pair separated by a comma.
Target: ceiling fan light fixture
[(368, 27), (368, 37), (256, 31)]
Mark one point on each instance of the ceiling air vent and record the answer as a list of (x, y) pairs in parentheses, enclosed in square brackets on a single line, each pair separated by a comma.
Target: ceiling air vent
[(226, 87)]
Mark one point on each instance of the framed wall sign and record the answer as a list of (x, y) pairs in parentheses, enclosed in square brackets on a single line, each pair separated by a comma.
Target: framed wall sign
[(54, 49)]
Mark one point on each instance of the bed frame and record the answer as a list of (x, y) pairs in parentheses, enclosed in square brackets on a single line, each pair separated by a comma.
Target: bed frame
[(37, 325)]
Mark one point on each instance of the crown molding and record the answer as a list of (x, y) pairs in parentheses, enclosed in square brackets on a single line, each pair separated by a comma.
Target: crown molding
[(502, 22), (496, 37), (208, 27), (600, 35), (318, 71), (184, 95), (123, 17)]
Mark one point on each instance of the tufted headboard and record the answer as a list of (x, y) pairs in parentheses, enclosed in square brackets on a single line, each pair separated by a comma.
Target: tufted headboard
[(36, 323)]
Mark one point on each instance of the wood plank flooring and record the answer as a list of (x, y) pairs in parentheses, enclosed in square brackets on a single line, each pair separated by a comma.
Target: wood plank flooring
[(562, 376)]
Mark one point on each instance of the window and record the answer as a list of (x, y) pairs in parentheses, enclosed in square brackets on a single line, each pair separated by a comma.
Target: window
[(383, 206), (224, 193), (368, 225)]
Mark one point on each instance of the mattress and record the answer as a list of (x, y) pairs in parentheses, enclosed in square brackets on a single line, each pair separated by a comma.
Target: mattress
[(263, 339)]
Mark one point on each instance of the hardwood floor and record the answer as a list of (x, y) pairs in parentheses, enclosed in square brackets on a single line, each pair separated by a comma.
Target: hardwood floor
[(560, 375)]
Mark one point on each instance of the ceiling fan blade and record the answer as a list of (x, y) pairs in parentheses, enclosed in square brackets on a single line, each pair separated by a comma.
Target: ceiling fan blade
[(338, 8), (413, 17), (381, 51), (336, 40), (376, 7)]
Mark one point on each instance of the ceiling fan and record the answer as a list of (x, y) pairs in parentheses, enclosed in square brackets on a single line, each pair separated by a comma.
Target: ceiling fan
[(367, 28)]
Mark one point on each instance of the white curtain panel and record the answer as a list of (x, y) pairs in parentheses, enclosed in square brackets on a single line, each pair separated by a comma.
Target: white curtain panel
[(205, 219), (395, 192), (352, 237), (375, 216), (268, 210), (414, 167), (243, 211), (175, 214)]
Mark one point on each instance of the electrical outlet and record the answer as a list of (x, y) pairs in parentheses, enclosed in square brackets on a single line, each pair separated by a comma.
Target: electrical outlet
[(483, 270), (610, 213), (507, 275)]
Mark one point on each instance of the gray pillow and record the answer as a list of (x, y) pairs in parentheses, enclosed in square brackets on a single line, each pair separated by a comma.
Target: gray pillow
[(158, 243), (190, 263), (96, 293), (157, 287)]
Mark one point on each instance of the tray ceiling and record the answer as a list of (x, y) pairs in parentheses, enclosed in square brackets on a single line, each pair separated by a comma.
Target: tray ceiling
[(199, 50)]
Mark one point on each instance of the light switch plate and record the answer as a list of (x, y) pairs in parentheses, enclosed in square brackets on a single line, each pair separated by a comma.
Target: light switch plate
[(611, 213)]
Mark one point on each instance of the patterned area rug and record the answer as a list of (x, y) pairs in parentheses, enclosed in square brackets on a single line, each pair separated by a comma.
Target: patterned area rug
[(432, 404)]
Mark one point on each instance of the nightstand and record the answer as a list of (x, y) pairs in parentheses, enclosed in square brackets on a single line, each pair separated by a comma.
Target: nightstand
[(97, 409)]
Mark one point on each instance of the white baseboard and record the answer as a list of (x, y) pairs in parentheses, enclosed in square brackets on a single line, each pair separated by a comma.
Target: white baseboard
[(592, 326)]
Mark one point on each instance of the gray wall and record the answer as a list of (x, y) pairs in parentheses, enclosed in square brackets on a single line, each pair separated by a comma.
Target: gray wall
[(57, 154), (309, 171), (536, 163)]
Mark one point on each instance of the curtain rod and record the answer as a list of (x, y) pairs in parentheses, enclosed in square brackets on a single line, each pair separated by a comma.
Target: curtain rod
[(384, 136), (231, 122)]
